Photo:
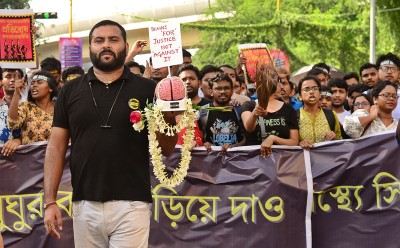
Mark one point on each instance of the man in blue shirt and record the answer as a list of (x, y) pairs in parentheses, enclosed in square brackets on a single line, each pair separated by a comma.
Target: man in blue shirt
[(287, 89), (10, 139)]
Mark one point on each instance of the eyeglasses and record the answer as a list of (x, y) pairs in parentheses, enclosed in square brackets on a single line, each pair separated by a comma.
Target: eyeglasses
[(388, 68), (308, 89), (219, 89), (388, 96), (363, 104)]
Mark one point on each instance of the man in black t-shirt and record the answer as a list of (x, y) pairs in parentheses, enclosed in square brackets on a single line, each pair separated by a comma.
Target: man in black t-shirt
[(109, 160), (222, 128)]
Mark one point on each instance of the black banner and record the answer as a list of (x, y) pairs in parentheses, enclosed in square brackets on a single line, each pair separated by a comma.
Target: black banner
[(238, 199), (356, 188)]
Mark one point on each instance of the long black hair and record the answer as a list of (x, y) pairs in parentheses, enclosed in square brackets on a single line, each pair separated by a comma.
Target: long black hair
[(369, 99)]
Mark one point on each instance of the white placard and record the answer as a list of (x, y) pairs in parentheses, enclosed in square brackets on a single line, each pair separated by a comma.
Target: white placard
[(165, 44)]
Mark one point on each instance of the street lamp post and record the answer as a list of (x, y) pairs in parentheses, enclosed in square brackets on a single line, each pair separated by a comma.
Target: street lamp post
[(372, 32), (70, 18)]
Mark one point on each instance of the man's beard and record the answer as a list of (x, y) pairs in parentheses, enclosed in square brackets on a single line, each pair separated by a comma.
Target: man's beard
[(108, 66), (337, 105), (192, 94), (9, 92), (222, 102)]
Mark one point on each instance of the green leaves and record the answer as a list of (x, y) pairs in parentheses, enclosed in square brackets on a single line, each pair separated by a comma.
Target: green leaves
[(336, 32)]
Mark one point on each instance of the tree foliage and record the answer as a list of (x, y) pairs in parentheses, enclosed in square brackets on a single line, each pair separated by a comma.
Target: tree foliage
[(310, 31), (14, 4)]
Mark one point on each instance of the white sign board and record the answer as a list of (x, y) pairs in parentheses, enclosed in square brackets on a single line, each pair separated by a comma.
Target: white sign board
[(165, 44)]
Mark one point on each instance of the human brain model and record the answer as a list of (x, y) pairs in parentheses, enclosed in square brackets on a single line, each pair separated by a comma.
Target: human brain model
[(171, 89)]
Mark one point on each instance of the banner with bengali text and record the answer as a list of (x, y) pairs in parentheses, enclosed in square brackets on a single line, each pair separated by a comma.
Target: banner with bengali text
[(223, 201), (238, 199), (17, 48), (356, 193)]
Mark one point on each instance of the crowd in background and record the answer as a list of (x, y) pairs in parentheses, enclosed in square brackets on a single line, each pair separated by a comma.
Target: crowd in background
[(270, 110)]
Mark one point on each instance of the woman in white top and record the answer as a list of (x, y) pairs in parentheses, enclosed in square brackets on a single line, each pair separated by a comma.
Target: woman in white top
[(362, 101), (379, 118)]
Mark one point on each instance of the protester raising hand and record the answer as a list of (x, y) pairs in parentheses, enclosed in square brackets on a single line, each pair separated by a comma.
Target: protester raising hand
[(136, 49), (20, 85), (34, 118), (147, 71)]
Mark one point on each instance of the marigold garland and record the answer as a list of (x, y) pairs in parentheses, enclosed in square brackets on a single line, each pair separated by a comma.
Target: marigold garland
[(156, 122)]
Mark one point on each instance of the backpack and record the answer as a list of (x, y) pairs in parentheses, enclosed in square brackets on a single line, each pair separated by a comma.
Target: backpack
[(330, 117), (204, 117)]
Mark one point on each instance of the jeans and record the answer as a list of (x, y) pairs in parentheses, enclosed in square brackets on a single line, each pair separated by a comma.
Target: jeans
[(114, 224)]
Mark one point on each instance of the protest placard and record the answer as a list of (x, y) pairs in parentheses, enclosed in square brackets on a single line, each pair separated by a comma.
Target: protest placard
[(165, 44), (255, 54), (281, 59), (70, 50), (17, 49)]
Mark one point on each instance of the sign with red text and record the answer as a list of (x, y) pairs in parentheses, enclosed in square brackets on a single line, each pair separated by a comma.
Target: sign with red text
[(166, 44), (17, 49), (255, 54), (70, 50)]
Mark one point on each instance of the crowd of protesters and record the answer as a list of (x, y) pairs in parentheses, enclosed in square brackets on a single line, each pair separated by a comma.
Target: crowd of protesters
[(27, 102), (318, 108)]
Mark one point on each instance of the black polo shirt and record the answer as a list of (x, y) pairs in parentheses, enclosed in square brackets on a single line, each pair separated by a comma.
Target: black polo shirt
[(106, 164)]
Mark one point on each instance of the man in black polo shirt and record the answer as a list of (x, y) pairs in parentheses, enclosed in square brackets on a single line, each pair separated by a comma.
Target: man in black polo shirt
[(109, 160)]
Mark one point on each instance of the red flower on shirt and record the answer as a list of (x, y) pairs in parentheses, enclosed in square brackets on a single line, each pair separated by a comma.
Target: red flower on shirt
[(135, 117)]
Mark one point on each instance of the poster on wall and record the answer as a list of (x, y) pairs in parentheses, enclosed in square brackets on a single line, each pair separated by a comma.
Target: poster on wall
[(17, 49)]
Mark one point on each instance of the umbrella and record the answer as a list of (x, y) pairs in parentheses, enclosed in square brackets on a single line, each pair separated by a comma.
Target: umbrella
[(299, 74)]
